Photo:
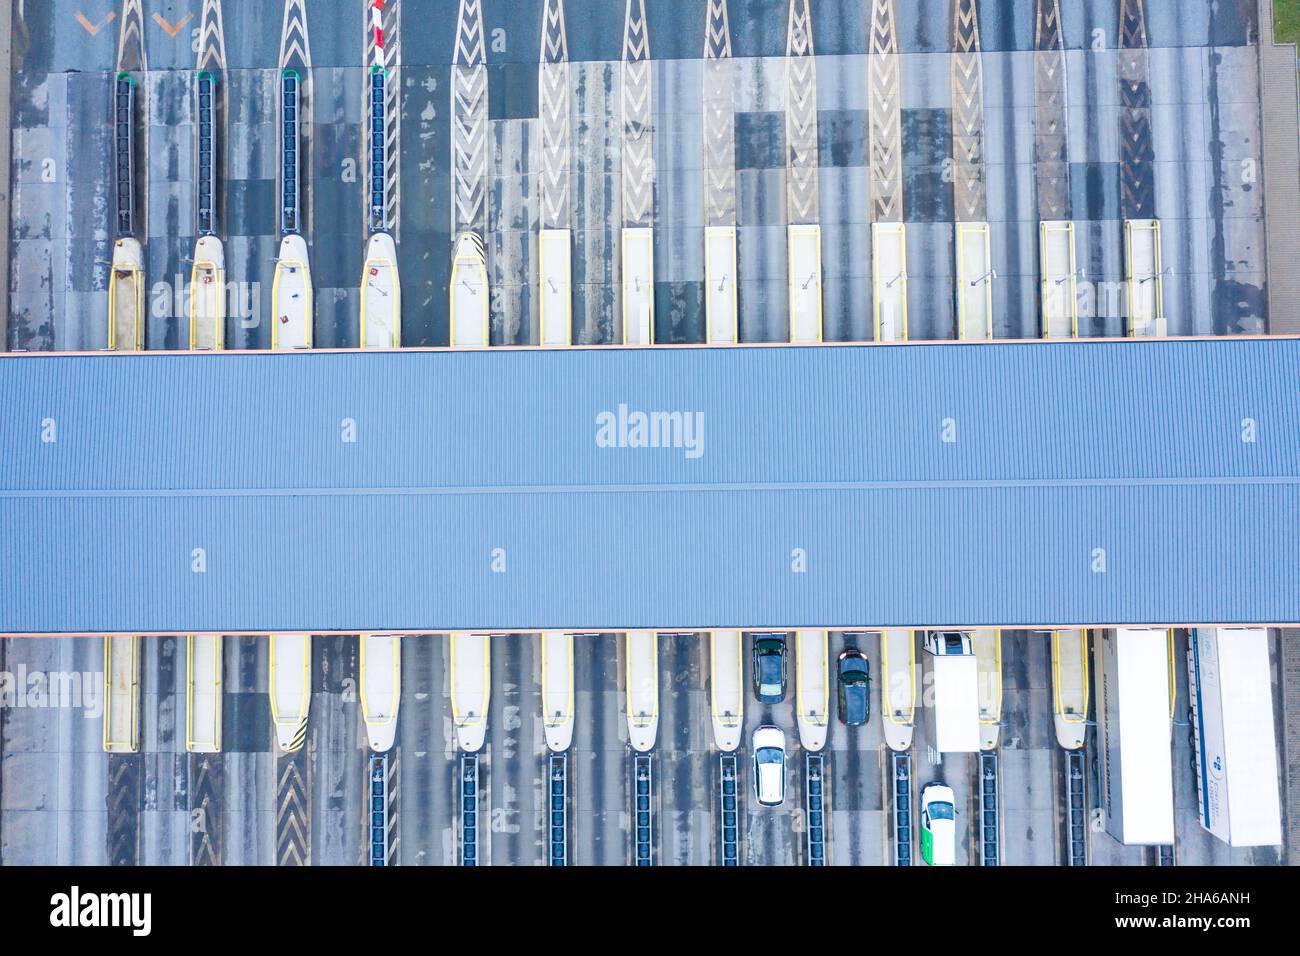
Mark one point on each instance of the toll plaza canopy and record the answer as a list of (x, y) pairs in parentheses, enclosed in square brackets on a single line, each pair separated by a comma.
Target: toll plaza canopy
[(989, 484)]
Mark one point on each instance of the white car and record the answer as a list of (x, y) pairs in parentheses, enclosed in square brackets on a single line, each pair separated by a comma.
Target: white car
[(769, 766), (938, 826)]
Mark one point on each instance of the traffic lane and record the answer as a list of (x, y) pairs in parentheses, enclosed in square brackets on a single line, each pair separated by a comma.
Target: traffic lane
[(955, 770), (167, 207), (339, 755), (1182, 176), (773, 836), (600, 762), (37, 279), (1009, 180), (424, 222), (336, 33), (249, 198), (428, 760), (1236, 200), (248, 794), (1092, 147), (516, 753), (596, 201), (336, 197), (86, 246), (1223, 23), (48, 37), (1030, 785), (54, 769), (687, 764), (169, 27), (860, 829), (164, 812), (513, 220)]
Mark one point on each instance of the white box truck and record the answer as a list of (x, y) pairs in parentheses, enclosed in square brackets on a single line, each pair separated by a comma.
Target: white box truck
[(1134, 732), (955, 686), (1233, 738)]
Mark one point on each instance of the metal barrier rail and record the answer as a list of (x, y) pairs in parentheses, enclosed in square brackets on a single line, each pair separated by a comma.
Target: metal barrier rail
[(469, 810), (1162, 856), (642, 813), (1076, 810), (815, 793), (378, 809), (902, 795), (557, 772), (290, 127), (990, 825), (207, 154), (729, 809), (378, 150), (124, 152)]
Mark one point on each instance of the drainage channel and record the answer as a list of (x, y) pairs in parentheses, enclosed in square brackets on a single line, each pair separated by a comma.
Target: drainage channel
[(378, 150), (1162, 855), (815, 776), (207, 164), (290, 87), (642, 815), (729, 805), (557, 772), (469, 810), (124, 153), (1076, 809), (379, 810), (990, 825), (902, 795)]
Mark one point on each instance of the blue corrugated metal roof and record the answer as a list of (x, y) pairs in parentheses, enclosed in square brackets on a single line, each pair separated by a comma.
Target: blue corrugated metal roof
[(1060, 449)]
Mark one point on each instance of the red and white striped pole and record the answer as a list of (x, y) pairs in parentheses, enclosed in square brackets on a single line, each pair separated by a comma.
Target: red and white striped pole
[(377, 24)]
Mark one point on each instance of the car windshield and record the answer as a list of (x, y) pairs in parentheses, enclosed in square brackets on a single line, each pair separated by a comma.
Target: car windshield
[(768, 755), (853, 667), (941, 811)]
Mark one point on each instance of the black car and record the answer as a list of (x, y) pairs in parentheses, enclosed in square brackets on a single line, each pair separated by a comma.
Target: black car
[(769, 669), (854, 687)]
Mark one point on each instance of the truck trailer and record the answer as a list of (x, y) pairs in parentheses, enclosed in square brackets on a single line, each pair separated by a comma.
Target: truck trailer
[(1233, 738), (1134, 732), (955, 685)]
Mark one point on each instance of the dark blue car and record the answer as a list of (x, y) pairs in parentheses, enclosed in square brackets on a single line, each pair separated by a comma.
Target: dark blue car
[(769, 669), (854, 672)]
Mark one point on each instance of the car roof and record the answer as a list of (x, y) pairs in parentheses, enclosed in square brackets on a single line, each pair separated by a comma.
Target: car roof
[(771, 782), (945, 842), (855, 702), (769, 736)]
